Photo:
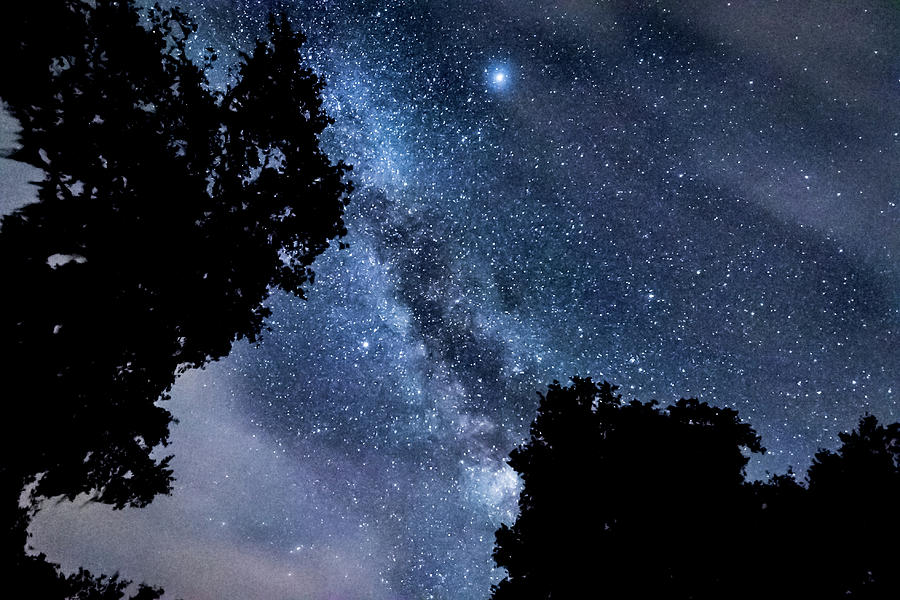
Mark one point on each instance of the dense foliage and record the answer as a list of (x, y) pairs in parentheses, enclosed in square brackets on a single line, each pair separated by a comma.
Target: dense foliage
[(628, 500), (167, 214)]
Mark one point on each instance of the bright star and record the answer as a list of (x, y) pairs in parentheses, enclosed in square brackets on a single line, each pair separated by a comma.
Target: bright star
[(498, 77)]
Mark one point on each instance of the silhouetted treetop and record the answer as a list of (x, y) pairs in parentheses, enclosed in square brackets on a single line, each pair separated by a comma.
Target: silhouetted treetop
[(854, 493), (869, 456), (607, 482), (168, 214), (629, 500)]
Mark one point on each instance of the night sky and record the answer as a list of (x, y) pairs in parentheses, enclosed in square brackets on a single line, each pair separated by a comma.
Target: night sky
[(691, 198)]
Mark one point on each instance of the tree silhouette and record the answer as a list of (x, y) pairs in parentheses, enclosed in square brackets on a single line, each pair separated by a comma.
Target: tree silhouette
[(626, 500), (853, 498), (83, 585), (167, 215), (835, 537)]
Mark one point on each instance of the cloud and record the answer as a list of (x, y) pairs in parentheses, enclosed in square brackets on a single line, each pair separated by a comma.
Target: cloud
[(16, 187), (221, 534)]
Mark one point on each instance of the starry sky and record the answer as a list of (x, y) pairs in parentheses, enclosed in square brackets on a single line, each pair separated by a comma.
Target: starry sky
[(693, 198)]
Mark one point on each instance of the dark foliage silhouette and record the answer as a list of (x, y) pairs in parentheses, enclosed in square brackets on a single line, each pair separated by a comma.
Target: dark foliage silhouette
[(628, 500), (836, 536), (621, 495), (853, 498), (167, 215), (83, 585)]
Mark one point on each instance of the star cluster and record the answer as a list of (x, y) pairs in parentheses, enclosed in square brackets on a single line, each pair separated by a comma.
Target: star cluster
[(684, 198)]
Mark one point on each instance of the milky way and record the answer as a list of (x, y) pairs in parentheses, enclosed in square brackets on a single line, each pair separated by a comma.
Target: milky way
[(684, 198)]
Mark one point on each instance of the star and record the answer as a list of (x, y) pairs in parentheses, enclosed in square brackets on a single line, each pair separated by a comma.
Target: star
[(498, 77), (591, 231)]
